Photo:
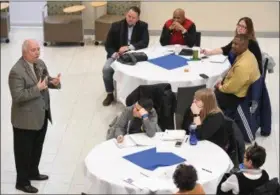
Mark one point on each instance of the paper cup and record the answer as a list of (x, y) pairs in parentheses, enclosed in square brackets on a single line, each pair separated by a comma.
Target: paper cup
[(196, 52), (177, 49)]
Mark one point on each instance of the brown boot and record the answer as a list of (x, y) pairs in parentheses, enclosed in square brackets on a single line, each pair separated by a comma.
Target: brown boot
[(109, 99)]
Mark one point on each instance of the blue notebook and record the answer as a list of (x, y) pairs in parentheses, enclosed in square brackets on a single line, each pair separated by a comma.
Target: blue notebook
[(150, 159), (170, 62)]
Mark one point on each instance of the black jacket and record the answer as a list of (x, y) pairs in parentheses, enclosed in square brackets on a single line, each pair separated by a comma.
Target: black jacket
[(164, 102), (189, 37), (117, 36)]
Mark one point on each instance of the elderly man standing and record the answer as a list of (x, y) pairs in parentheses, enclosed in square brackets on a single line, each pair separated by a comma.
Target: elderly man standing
[(29, 81), (178, 30)]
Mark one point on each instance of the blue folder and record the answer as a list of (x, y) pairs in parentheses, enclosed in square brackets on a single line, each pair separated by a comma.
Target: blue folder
[(150, 159), (170, 62)]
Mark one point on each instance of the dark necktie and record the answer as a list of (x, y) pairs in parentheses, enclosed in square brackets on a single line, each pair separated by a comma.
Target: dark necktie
[(37, 71)]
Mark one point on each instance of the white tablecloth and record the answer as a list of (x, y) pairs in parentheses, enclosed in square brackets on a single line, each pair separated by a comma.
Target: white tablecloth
[(106, 169), (129, 78)]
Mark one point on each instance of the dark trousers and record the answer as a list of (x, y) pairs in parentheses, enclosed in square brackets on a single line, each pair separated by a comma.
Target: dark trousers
[(28, 145), (228, 102)]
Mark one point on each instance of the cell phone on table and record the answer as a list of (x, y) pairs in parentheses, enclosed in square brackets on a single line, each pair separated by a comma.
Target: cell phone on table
[(204, 57), (178, 144), (204, 76)]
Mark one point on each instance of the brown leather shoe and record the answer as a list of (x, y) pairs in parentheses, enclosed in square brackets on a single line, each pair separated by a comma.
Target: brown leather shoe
[(109, 99)]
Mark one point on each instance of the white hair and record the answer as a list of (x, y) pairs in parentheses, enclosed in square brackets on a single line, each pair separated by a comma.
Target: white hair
[(25, 46)]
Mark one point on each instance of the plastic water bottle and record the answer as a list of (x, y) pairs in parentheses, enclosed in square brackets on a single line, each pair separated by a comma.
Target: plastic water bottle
[(241, 166), (193, 139)]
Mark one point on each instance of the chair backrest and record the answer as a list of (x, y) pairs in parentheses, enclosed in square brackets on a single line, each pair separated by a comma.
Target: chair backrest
[(120, 7), (184, 101), (232, 149), (56, 7), (272, 187), (197, 39)]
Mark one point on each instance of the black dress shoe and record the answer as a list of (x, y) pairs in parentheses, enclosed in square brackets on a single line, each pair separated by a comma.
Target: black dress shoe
[(27, 189), (108, 100), (39, 177)]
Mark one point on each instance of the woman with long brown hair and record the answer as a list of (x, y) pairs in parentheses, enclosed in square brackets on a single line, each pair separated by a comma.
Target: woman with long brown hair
[(208, 117), (244, 26)]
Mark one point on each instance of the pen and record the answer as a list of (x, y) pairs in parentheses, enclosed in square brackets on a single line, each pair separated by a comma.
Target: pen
[(144, 174), (187, 139), (206, 170)]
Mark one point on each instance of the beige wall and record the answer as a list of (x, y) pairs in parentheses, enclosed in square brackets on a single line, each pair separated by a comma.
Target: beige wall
[(208, 16)]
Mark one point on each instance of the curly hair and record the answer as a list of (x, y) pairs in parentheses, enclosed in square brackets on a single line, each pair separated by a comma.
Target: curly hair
[(256, 154), (185, 177)]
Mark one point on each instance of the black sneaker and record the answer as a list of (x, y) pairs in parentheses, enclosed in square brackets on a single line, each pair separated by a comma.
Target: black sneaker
[(108, 100)]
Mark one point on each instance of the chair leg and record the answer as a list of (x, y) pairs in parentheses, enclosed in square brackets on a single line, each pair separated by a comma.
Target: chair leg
[(175, 122), (115, 91)]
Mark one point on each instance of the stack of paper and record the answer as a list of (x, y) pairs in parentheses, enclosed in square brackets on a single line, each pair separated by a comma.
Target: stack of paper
[(218, 58), (135, 140), (142, 139), (171, 135), (127, 142)]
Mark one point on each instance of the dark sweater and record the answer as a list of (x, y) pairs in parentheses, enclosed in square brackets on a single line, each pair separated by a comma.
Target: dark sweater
[(253, 47), (246, 185), (211, 129)]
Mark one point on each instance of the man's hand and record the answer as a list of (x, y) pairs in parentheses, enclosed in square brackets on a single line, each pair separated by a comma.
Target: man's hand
[(172, 27), (179, 27), (142, 112), (123, 49), (218, 85), (56, 81), (120, 139), (42, 84), (115, 55)]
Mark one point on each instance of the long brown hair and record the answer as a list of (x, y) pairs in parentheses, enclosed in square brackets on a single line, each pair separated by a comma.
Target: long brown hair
[(249, 27), (210, 105)]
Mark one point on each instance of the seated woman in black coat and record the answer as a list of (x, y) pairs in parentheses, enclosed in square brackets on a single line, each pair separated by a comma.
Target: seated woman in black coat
[(244, 26), (208, 117)]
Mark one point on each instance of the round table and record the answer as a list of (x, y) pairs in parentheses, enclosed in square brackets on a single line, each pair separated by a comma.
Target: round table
[(4, 5), (74, 8), (106, 169), (129, 78)]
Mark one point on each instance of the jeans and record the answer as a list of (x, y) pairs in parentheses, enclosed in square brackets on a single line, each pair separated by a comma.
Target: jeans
[(108, 73)]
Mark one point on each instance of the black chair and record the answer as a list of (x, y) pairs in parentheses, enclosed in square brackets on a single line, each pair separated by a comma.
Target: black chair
[(184, 101), (197, 39)]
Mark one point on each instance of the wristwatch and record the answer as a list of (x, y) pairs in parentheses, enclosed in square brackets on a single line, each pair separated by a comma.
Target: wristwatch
[(195, 115)]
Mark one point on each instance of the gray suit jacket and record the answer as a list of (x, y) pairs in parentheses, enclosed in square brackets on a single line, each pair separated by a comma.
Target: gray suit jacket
[(28, 103)]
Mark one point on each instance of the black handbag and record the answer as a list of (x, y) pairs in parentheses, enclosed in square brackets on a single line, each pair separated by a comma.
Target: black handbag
[(132, 58)]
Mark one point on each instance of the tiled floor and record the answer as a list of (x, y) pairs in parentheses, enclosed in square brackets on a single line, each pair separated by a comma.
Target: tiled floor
[(80, 120)]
